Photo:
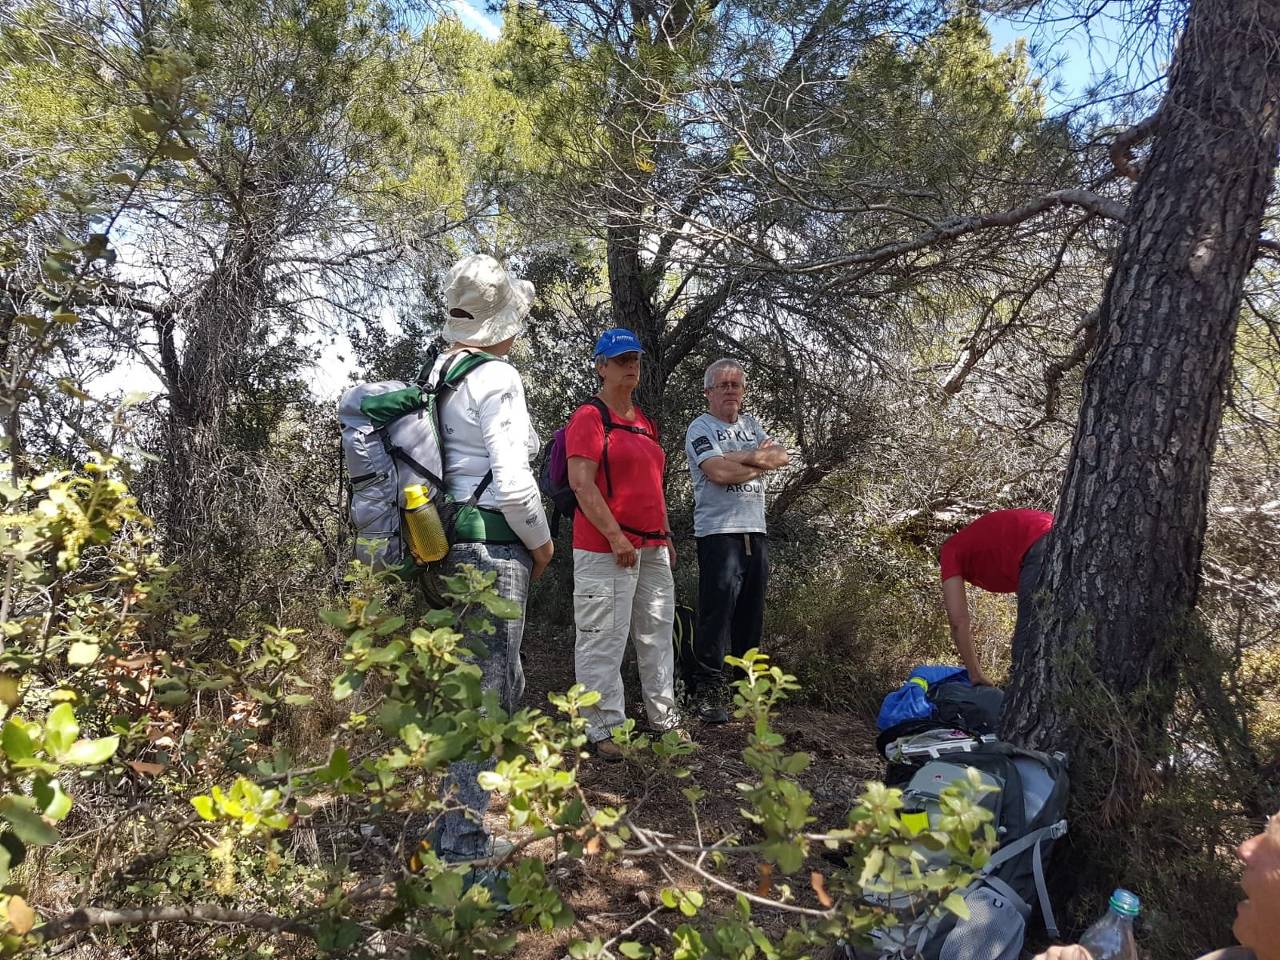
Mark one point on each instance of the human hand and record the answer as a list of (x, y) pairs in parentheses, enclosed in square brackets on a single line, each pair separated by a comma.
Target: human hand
[(980, 679), (772, 455), (624, 551), (1072, 952), (541, 559), (671, 553)]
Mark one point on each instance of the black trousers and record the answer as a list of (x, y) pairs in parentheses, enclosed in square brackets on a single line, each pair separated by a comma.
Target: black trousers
[(733, 574)]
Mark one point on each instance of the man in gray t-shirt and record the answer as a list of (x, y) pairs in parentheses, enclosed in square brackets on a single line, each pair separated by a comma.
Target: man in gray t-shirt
[(729, 453)]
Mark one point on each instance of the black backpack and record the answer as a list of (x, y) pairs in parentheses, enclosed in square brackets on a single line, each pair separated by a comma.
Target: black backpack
[(1029, 811), (976, 709), (683, 628)]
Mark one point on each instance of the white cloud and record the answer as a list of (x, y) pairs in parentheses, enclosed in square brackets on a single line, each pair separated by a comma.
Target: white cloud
[(476, 19)]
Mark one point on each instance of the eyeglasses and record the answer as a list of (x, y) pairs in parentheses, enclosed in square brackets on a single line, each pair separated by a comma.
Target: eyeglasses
[(729, 385)]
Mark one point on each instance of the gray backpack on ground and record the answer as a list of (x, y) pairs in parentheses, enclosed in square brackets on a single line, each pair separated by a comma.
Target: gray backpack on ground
[(1028, 806), (390, 440)]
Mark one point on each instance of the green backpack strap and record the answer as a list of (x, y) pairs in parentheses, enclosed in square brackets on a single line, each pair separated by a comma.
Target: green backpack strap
[(456, 369), (453, 372), (384, 408)]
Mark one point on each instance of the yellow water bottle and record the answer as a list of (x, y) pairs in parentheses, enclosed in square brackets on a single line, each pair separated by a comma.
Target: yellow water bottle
[(422, 526)]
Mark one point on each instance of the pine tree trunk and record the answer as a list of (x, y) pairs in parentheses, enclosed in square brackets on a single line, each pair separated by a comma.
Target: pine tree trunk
[(1122, 572), (631, 300)]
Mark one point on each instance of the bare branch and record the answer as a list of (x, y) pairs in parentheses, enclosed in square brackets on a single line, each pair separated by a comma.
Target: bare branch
[(1122, 146), (951, 229)]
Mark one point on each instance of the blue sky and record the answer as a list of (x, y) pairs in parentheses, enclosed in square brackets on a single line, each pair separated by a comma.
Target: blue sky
[(475, 18), (1077, 55)]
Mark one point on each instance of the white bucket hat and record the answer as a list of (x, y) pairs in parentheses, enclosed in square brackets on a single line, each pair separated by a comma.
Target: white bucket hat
[(484, 304)]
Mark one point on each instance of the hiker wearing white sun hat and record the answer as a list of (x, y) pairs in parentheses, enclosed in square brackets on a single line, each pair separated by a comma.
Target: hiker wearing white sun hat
[(488, 441), (485, 304)]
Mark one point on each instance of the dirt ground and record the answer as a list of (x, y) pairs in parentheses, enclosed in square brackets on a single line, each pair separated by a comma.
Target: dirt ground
[(610, 895)]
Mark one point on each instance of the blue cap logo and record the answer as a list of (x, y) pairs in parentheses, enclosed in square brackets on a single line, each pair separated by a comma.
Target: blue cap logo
[(617, 341)]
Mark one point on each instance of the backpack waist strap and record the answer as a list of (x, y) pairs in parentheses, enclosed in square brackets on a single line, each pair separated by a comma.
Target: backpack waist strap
[(481, 525), (645, 534)]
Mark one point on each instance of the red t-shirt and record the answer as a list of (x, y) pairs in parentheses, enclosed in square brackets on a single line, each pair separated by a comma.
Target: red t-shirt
[(988, 552), (636, 464)]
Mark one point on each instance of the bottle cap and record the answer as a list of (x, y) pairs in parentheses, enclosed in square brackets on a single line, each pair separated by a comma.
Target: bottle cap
[(414, 496), (1125, 902)]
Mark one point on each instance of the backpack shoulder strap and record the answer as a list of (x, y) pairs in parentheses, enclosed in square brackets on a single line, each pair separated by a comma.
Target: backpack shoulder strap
[(1034, 841), (605, 416), (453, 373), (610, 424), (653, 432), (457, 367)]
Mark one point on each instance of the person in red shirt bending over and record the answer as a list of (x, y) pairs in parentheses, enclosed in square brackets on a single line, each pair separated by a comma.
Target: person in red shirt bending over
[(1000, 552)]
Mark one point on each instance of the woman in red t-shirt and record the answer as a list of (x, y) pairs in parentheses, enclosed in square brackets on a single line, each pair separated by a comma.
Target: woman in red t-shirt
[(622, 552)]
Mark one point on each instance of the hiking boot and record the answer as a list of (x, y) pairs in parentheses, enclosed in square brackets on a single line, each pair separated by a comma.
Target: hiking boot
[(491, 879), (606, 750), (709, 706)]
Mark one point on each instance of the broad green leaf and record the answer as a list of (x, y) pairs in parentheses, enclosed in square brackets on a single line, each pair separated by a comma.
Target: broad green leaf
[(16, 741), (51, 799), (6, 858), (87, 753), (172, 692), (871, 866), (955, 903), (13, 852), (339, 764), (177, 151), (501, 607), (26, 823), (346, 684), (146, 119), (60, 729), (81, 653), (204, 807), (9, 694)]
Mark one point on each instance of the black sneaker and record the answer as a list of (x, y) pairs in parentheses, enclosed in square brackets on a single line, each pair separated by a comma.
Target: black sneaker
[(709, 706)]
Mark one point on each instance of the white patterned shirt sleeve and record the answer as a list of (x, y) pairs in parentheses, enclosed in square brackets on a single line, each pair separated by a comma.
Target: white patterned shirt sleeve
[(487, 427)]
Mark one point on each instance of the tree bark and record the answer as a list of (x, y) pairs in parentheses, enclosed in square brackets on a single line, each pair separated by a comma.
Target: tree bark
[(631, 301), (1120, 582)]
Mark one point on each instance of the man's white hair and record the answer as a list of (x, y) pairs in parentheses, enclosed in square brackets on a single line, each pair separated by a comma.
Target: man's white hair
[(724, 363)]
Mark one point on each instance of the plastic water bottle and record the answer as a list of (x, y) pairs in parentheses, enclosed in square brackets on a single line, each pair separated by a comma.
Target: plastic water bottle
[(422, 525), (1111, 938)]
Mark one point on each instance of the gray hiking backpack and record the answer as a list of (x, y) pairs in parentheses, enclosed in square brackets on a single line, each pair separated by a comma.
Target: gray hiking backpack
[(1028, 804), (390, 440)]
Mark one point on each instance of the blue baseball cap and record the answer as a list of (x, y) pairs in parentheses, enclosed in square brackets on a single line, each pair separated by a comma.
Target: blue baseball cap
[(617, 341)]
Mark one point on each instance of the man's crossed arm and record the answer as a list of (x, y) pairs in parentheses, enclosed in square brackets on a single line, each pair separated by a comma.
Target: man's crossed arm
[(741, 466)]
